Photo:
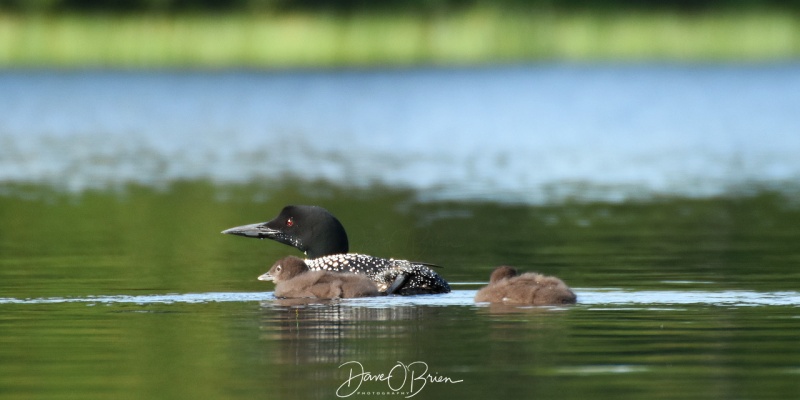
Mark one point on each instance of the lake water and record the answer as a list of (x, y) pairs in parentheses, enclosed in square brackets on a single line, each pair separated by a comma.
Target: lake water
[(667, 196)]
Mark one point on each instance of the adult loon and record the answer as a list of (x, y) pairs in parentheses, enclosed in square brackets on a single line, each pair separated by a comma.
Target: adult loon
[(293, 279), (316, 232), (506, 285)]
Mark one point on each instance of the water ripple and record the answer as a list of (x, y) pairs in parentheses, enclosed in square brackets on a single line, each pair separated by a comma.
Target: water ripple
[(586, 297)]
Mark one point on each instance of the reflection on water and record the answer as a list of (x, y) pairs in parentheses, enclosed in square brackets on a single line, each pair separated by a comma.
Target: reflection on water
[(326, 333), (296, 351)]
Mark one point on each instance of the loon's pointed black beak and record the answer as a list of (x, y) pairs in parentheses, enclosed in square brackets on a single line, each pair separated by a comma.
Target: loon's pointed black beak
[(259, 231)]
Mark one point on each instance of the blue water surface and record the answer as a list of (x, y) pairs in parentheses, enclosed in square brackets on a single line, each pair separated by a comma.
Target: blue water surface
[(531, 133)]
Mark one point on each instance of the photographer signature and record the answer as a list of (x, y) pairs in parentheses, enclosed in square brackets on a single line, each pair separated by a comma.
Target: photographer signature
[(414, 374)]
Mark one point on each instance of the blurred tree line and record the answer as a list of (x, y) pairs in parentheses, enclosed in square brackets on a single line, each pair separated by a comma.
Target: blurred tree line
[(348, 6)]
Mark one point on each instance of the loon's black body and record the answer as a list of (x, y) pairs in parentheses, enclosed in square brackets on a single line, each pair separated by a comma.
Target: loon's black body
[(323, 239)]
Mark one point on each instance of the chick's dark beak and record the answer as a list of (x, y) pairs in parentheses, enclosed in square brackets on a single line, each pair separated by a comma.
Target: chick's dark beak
[(266, 277)]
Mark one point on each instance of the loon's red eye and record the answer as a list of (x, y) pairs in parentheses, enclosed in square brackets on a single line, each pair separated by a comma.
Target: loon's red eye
[(289, 222)]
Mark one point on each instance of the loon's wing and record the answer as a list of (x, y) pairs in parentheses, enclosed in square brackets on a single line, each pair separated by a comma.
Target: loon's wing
[(392, 276), (426, 264), (399, 281)]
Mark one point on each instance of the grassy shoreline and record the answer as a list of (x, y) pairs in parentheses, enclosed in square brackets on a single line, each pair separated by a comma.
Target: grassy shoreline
[(469, 37)]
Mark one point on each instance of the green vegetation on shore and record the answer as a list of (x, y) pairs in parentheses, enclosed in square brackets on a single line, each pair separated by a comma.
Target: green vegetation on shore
[(470, 36)]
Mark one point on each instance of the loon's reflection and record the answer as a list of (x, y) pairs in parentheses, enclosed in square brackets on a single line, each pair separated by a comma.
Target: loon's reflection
[(332, 331)]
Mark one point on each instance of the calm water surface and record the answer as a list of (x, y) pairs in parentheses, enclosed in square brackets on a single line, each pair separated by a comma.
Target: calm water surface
[(666, 196)]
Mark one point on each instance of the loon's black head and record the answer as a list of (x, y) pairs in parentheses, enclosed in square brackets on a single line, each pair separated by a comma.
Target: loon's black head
[(311, 229)]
